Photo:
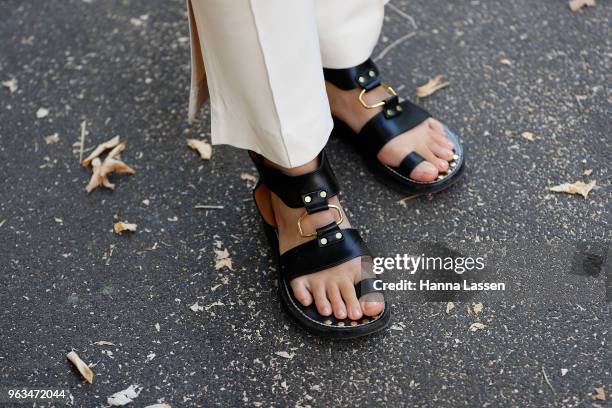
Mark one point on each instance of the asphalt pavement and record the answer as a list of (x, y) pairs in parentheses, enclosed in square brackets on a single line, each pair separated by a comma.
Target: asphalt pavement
[(67, 281)]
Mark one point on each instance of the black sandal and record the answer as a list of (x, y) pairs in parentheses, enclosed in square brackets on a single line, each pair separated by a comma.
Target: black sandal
[(331, 246), (396, 118)]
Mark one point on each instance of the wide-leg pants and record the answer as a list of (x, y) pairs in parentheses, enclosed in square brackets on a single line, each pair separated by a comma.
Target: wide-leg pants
[(262, 63)]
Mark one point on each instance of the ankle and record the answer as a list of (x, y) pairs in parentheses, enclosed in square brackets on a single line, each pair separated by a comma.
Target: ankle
[(295, 171)]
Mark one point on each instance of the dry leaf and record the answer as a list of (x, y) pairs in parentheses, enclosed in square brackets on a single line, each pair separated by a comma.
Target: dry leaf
[(477, 326), (576, 5), (529, 136), (157, 327), (101, 170), (600, 394), (10, 84), (42, 112), (202, 147), (124, 226), (396, 327), (433, 85), (222, 259), (115, 166), (506, 61), (577, 188), (213, 304), (52, 139), (248, 177), (587, 172), (109, 144), (81, 366), (124, 397), (477, 308), (158, 406), (284, 354), (95, 180), (450, 306), (563, 372), (104, 343), (196, 307)]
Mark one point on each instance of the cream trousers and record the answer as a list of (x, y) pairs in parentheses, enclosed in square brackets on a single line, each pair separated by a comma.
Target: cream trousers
[(262, 63)]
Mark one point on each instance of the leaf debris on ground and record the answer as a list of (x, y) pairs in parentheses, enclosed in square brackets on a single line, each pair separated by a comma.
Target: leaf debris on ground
[(202, 147), (578, 187), (208, 207), (477, 326), (10, 84), (101, 148), (52, 139), (248, 177), (124, 397), (576, 5), (42, 113), (477, 308), (450, 306), (528, 136), (80, 365), (111, 164), (223, 260), (196, 307), (600, 394), (285, 354), (432, 86), (82, 140), (121, 226), (103, 343)]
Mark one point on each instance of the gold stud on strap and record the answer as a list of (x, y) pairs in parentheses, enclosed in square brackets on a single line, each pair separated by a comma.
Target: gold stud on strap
[(389, 90), (312, 234)]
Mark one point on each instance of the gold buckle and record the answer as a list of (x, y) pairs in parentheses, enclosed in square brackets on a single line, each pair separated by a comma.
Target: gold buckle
[(389, 90), (312, 234)]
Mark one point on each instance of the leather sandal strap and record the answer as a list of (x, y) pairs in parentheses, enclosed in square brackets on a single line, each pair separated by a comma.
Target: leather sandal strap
[(310, 190), (390, 123), (366, 286), (332, 247), (409, 163), (364, 76)]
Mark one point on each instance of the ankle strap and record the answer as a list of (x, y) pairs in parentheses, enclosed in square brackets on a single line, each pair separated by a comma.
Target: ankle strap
[(364, 76), (310, 190)]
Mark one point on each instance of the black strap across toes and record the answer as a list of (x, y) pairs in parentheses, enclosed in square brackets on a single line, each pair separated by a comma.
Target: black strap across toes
[(330, 246), (396, 117)]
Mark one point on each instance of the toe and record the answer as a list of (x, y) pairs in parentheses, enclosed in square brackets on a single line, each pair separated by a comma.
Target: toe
[(442, 152), (350, 299), (301, 292), (425, 171), (372, 304), (436, 126), (439, 134), (320, 297), (333, 294)]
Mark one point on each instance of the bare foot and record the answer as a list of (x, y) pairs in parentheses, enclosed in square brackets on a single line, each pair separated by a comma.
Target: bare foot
[(428, 138), (332, 290)]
